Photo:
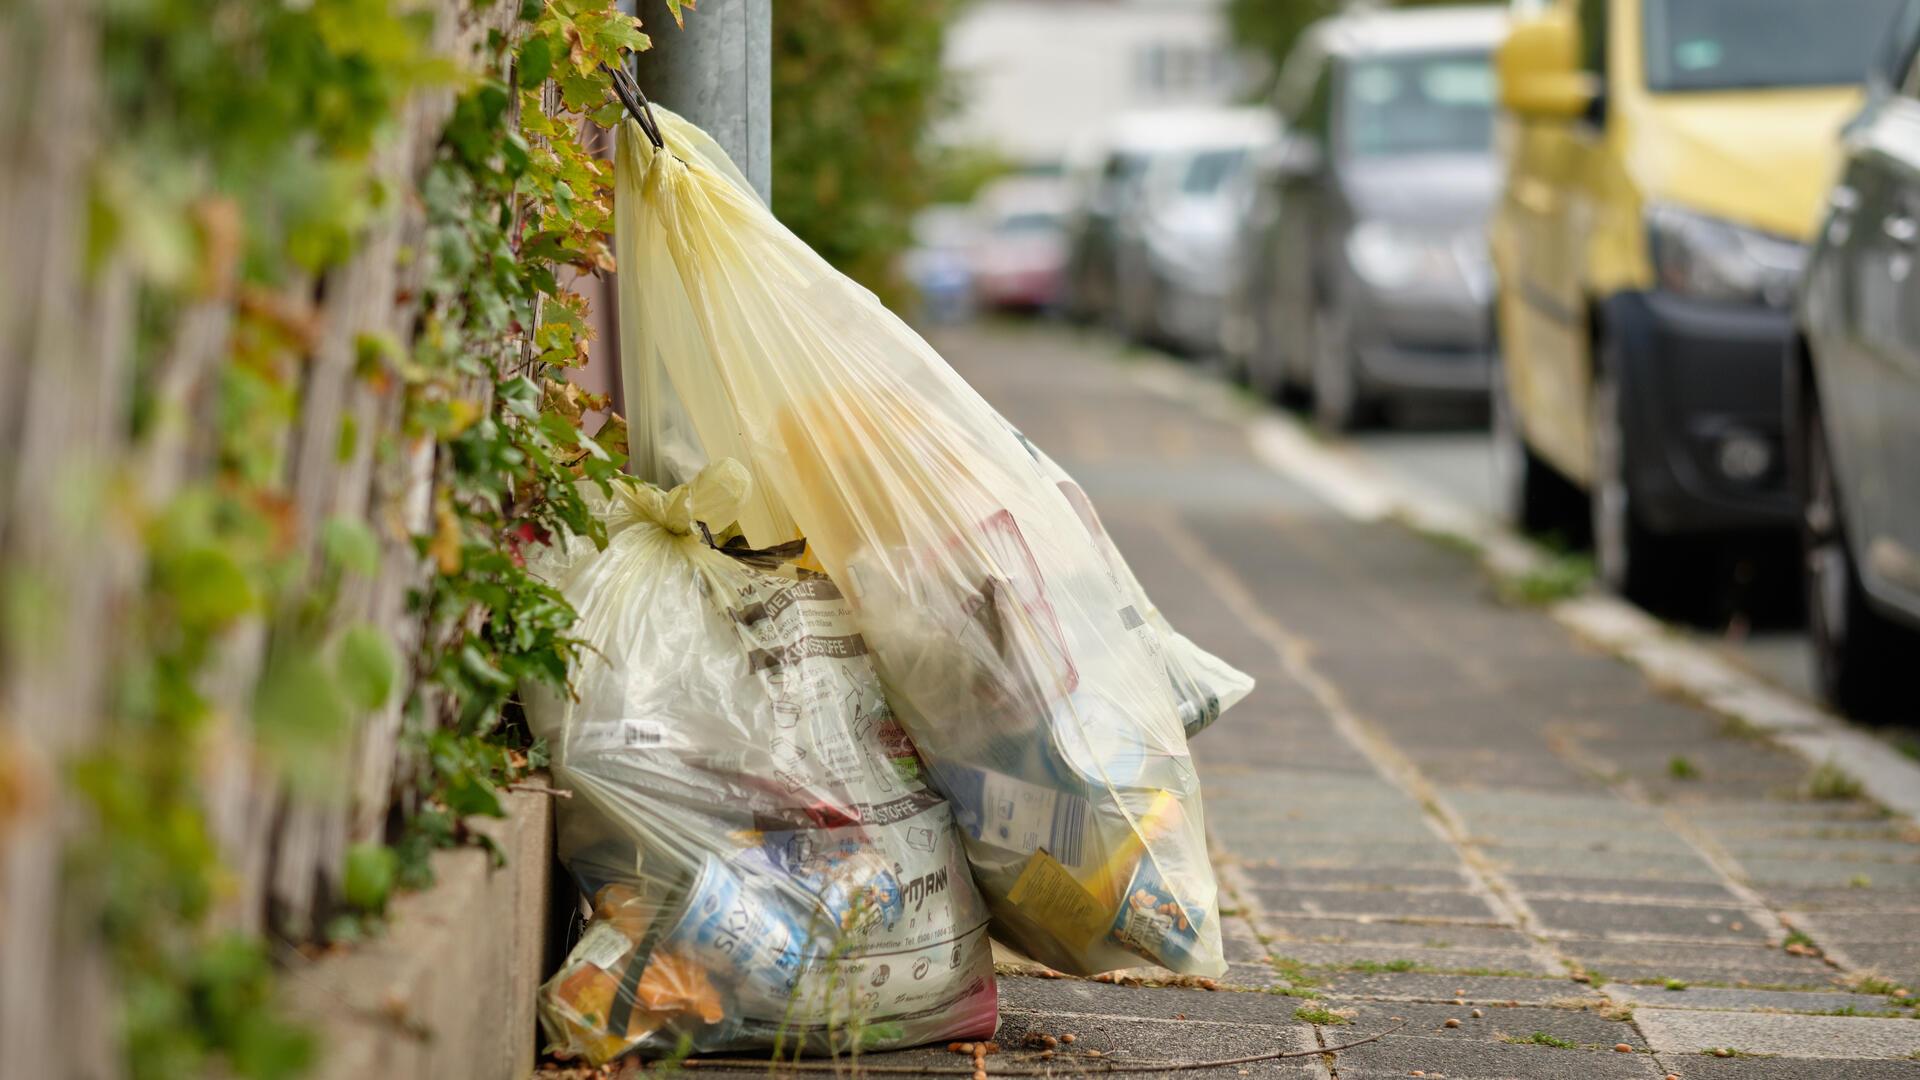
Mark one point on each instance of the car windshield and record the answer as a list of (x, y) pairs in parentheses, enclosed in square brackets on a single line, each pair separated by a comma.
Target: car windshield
[(1418, 103), (1209, 169), (1737, 44), (1028, 221)]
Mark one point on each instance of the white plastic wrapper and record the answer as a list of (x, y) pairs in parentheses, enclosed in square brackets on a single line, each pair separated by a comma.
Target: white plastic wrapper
[(1050, 701), (767, 866)]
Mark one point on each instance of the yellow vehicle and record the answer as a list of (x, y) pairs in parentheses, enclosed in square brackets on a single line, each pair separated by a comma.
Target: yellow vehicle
[(1667, 162)]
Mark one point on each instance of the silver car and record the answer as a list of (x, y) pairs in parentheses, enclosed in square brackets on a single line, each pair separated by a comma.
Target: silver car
[(1853, 402), (1377, 282)]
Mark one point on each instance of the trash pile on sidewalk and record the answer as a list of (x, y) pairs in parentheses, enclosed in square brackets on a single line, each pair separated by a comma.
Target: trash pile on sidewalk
[(870, 679)]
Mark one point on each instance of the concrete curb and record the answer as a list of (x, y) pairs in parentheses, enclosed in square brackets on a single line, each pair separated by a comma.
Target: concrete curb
[(449, 991), (1361, 489)]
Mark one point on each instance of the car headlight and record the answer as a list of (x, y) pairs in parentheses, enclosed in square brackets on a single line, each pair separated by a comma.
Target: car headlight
[(1709, 259), (1390, 256)]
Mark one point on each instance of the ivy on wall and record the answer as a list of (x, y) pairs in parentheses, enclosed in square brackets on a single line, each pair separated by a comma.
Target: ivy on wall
[(244, 163)]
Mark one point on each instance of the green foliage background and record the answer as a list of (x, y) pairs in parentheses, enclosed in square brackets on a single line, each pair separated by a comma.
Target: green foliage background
[(856, 85)]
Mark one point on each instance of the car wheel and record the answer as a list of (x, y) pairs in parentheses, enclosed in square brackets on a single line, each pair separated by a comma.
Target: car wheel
[(1534, 496), (1338, 404), (1638, 564), (1857, 652)]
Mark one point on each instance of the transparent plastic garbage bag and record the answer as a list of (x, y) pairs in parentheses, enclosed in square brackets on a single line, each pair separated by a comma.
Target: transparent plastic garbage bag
[(1050, 701), (766, 863)]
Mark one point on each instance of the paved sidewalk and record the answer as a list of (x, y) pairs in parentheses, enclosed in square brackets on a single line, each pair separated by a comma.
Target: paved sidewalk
[(1443, 809)]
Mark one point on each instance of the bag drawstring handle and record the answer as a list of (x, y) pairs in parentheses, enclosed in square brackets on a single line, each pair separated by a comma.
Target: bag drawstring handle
[(627, 89)]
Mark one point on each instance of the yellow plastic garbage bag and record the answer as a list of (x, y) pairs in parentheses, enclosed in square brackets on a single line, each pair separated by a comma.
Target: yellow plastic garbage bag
[(1043, 691), (767, 864)]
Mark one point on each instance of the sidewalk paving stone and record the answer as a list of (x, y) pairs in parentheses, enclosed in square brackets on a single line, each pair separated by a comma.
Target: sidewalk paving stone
[(1333, 931), (1691, 1031), (1702, 1067), (1425, 959), (1462, 1058), (1711, 997), (1602, 862), (1585, 1028), (1084, 997), (1831, 873), (1356, 851), (1590, 918), (1473, 989), (1434, 905), (1373, 878), (1869, 896), (1732, 965), (1125, 1039), (1606, 888)]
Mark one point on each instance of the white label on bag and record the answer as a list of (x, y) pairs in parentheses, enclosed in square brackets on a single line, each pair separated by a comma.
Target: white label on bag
[(602, 946)]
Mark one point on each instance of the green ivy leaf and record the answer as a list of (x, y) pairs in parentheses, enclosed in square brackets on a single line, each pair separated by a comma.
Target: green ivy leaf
[(370, 871), (470, 794), (207, 587), (350, 545), (301, 721), (367, 665), (536, 60)]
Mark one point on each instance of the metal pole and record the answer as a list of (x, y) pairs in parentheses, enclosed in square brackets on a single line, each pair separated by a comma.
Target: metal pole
[(718, 73)]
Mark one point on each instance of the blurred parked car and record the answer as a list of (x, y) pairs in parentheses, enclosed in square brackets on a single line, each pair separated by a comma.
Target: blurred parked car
[(1377, 284), (1118, 179), (1195, 208), (1853, 384), (939, 264), (1668, 163), (1021, 252), (1105, 174)]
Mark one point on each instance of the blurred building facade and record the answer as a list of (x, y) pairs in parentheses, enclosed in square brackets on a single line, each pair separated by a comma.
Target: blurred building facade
[(1035, 75)]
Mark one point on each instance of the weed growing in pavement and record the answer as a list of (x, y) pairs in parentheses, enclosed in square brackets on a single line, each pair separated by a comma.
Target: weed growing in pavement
[(1797, 938), (1739, 727), (1874, 984), (1540, 1038), (1675, 984), (1375, 967), (1558, 577), (1302, 992), (1829, 781), (1318, 1014), (1451, 541), (1613, 1010), (1293, 971), (1859, 881), (1680, 768)]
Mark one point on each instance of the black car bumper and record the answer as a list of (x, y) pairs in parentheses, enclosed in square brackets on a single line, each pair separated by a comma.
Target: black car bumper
[(1702, 394)]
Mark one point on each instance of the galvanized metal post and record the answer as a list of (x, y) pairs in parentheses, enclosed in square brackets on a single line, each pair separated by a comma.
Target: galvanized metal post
[(718, 73)]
